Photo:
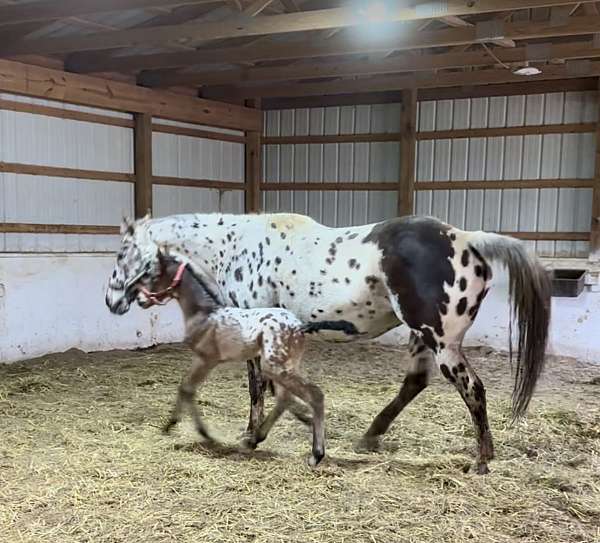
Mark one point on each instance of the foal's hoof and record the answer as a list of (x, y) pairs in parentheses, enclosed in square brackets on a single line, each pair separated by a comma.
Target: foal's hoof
[(249, 443), (368, 444), (168, 427), (315, 459), (482, 468)]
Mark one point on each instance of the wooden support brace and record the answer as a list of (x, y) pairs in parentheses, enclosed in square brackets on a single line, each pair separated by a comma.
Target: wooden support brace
[(253, 166), (408, 127), (595, 227), (143, 164)]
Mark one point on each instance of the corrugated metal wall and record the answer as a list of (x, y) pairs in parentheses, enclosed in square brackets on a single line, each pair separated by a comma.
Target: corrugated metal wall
[(197, 158), (333, 162), (514, 157), (549, 156), (41, 140), (34, 139)]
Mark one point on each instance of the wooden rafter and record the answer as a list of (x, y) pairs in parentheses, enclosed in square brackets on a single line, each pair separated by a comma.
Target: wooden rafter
[(49, 10), (271, 25), (417, 80), (399, 64), (339, 46)]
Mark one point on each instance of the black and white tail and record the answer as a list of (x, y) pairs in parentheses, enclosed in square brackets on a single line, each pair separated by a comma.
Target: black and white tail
[(530, 293)]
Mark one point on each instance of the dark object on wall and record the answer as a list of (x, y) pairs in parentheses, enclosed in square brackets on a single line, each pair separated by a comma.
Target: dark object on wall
[(567, 283)]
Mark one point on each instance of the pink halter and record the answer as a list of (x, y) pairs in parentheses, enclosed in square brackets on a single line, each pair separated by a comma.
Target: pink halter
[(156, 298)]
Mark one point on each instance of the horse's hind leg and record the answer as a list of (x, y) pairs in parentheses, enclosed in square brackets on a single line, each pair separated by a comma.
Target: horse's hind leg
[(256, 386), (186, 394), (415, 381), (262, 431), (458, 371)]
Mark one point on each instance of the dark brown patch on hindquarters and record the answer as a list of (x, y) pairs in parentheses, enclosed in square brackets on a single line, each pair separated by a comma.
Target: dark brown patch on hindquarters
[(416, 261)]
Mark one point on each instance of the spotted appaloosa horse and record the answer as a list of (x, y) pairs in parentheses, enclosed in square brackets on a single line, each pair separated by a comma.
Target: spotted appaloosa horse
[(415, 271)]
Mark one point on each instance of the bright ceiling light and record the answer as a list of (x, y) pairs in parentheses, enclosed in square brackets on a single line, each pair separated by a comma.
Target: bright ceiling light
[(374, 11), (527, 71)]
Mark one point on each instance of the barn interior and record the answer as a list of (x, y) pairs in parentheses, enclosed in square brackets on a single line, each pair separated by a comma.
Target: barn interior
[(483, 113)]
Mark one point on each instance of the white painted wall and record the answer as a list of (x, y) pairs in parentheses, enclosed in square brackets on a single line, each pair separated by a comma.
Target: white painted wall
[(52, 302), (573, 330)]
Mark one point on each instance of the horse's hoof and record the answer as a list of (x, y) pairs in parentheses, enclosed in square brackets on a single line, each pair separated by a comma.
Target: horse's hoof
[(368, 444), (482, 468), (315, 459)]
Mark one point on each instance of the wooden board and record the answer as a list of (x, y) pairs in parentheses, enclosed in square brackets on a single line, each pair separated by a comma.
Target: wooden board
[(30, 228), (408, 126), (505, 184), (50, 84), (198, 183), (143, 164), (66, 173)]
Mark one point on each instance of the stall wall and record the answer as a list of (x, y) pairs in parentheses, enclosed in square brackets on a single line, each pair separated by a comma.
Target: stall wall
[(52, 285), (333, 162), (548, 156)]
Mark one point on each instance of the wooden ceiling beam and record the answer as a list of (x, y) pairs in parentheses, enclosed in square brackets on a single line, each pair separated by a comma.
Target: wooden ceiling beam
[(389, 83), (49, 10), (337, 46), (399, 64), (258, 26), (445, 93), (27, 80)]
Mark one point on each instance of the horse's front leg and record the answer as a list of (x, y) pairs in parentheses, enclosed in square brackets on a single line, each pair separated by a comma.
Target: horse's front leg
[(256, 387)]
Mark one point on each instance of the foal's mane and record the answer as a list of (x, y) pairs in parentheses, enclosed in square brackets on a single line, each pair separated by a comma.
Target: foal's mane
[(203, 285), (198, 280)]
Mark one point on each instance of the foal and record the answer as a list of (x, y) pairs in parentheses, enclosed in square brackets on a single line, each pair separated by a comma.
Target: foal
[(220, 334)]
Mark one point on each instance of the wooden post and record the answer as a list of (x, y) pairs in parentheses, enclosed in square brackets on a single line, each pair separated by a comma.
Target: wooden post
[(253, 169), (595, 226), (408, 121), (143, 164)]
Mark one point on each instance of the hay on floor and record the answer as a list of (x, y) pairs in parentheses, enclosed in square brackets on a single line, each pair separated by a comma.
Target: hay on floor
[(82, 458)]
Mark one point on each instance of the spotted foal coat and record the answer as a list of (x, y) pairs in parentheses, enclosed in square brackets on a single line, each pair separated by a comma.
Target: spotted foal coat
[(218, 334), (415, 271)]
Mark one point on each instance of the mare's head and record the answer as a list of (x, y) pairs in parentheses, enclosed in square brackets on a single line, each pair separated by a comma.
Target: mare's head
[(137, 264)]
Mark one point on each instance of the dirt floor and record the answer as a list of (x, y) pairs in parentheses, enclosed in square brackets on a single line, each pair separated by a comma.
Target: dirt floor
[(82, 458)]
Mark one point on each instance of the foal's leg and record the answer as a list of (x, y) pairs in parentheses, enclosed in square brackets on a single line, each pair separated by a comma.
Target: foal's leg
[(289, 383), (458, 371), (186, 396), (256, 387), (416, 380), (313, 396)]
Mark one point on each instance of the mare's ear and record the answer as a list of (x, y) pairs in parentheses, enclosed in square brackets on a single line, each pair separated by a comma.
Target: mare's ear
[(127, 226)]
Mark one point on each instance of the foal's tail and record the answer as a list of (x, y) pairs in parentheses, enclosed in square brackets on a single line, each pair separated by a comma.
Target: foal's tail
[(529, 291), (338, 326)]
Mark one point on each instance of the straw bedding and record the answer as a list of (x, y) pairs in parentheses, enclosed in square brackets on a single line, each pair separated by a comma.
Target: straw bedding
[(82, 458)]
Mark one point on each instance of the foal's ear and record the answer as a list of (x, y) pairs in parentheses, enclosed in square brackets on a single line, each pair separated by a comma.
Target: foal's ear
[(127, 226), (163, 252)]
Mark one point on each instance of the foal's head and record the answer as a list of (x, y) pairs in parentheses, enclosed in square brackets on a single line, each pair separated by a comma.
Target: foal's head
[(175, 279)]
